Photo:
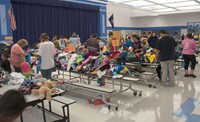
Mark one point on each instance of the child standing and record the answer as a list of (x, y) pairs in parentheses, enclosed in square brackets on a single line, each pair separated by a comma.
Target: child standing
[(25, 67)]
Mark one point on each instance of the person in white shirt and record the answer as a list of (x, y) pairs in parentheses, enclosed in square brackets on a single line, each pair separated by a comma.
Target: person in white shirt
[(46, 52)]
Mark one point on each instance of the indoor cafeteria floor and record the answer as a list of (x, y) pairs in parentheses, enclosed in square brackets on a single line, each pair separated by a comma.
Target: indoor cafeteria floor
[(163, 104)]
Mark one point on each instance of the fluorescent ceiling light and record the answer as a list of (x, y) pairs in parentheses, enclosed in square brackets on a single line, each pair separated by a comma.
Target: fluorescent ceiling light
[(189, 8), (165, 10), (189, 3), (138, 3), (153, 7), (118, 1), (166, 1)]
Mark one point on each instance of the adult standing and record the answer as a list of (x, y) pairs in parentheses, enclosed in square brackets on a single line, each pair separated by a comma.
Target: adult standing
[(46, 52), (166, 55), (189, 46), (153, 39), (109, 41), (16, 53)]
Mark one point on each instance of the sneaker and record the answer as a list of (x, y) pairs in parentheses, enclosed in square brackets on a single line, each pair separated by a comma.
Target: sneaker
[(186, 75), (192, 75)]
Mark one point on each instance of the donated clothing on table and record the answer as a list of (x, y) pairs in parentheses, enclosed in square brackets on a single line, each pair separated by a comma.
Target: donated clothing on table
[(16, 51), (166, 46), (188, 46), (74, 41), (47, 51)]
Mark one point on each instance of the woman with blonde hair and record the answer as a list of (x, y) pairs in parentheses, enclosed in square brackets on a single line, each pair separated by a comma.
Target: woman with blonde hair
[(16, 53)]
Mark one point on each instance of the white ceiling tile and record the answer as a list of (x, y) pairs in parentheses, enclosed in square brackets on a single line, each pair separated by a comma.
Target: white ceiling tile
[(165, 10), (118, 1), (166, 1), (138, 3), (189, 3), (162, 6), (153, 7), (189, 8)]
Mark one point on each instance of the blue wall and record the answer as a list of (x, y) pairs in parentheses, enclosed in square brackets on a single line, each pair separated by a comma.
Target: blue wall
[(5, 29), (102, 33), (148, 28)]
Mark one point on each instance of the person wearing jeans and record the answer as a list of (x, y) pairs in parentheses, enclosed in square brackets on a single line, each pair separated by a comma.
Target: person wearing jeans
[(188, 52), (165, 53), (168, 71), (46, 52)]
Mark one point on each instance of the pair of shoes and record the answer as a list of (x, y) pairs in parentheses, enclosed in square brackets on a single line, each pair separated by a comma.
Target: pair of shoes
[(186, 75), (192, 75)]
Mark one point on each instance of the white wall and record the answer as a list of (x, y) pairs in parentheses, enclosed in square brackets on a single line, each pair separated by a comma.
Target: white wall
[(122, 15), (166, 20), (130, 32), (125, 16)]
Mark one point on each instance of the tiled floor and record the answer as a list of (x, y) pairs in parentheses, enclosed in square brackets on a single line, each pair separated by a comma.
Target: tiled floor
[(163, 104)]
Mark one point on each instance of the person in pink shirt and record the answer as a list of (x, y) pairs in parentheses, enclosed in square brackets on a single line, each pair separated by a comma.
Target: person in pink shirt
[(16, 53), (25, 67), (189, 46)]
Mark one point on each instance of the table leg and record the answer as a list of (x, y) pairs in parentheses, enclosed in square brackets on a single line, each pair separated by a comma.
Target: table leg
[(50, 106), (43, 111), (21, 117)]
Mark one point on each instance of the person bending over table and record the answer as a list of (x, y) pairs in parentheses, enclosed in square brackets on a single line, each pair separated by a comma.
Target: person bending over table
[(16, 53), (12, 104), (92, 45), (46, 52)]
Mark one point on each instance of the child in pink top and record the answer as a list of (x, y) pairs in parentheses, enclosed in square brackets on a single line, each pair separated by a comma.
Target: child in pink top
[(25, 67)]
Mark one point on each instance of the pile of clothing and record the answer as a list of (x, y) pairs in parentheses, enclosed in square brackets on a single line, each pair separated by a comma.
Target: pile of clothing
[(27, 85), (99, 65)]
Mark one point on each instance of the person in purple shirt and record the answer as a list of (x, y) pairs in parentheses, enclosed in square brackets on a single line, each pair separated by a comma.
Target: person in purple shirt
[(189, 47), (136, 43)]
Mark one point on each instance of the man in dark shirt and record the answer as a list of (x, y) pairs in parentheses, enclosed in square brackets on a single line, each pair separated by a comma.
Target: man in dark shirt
[(166, 55)]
